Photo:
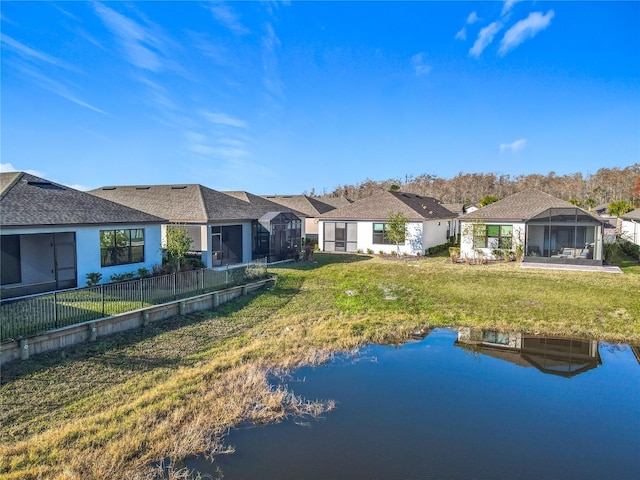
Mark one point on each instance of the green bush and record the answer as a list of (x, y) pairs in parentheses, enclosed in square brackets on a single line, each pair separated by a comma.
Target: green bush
[(630, 249), (122, 277), (93, 278)]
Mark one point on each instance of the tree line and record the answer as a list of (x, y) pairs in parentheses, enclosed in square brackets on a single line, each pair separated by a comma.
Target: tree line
[(603, 187)]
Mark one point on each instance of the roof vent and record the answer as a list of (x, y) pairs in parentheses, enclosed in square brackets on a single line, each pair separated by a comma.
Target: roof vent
[(142, 188), (47, 185), (179, 187), (109, 188)]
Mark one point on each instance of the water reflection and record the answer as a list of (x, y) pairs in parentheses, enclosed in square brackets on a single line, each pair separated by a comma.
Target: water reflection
[(430, 410), (562, 356)]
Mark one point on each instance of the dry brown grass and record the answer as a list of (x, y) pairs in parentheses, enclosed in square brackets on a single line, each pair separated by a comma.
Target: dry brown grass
[(118, 408)]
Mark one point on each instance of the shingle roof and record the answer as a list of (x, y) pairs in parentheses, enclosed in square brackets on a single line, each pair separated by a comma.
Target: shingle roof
[(457, 208), (29, 201), (191, 203), (632, 215), (336, 202), (262, 204), (380, 205), (517, 207), (310, 206)]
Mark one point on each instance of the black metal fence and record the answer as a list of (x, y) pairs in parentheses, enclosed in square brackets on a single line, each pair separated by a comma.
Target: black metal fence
[(39, 313)]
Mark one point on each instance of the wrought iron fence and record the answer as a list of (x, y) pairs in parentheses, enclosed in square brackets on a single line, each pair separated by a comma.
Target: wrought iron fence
[(30, 315)]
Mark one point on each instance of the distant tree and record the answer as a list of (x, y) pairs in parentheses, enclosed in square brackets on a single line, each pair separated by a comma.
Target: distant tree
[(396, 228), (635, 193), (178, 244), (394, 187), (619, 207), (488, 200), (590, 202), (574, 201)]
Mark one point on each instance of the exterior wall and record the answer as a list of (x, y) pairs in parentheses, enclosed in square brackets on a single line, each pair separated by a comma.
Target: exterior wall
[(630, 230), (435, 233), (88, 251), (466, 239), (413, 245)]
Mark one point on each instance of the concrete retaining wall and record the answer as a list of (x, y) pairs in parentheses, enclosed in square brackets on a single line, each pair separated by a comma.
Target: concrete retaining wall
[(90, 331)]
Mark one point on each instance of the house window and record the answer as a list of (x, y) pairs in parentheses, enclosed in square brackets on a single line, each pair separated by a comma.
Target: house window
[(121, 247), (11, 268), (380, 234), (499, 236)]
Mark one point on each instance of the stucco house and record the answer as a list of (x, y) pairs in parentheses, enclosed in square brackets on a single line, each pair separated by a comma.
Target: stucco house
[(52, 236), (362, 225), (311, 207), (225, 229), (630, 227), (546, 230)]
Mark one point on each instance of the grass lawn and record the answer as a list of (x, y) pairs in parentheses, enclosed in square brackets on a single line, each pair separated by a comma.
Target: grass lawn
[(114, 408)]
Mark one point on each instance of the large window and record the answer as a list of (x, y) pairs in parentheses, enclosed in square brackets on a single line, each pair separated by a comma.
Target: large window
[(380, 234), (495, 236), (120, 247)]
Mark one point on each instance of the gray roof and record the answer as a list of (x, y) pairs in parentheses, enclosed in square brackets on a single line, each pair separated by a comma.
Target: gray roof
[(30, 201), (310, 206), (262, 204), (457, 208), (520, 206), (335, 201), (632, 215), (380, 205), (190, 203)]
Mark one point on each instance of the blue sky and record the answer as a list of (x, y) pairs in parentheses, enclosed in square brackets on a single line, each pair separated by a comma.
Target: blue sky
[(285, 97)]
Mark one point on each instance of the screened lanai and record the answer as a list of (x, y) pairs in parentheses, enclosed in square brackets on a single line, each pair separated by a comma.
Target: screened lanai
[(564, 235), (277, 236)]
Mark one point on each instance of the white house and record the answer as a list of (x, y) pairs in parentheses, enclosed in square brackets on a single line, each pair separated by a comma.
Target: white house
[(544, 228), (52, 236), (363, 225), (630, 228)]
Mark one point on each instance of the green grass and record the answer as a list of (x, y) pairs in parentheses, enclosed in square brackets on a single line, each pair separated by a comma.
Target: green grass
[(110, 409)]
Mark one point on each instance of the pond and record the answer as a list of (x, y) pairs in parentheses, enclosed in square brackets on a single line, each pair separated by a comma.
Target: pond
[(455, 405)]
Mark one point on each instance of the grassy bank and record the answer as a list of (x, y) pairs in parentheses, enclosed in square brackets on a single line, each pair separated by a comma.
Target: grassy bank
[(114, 408)]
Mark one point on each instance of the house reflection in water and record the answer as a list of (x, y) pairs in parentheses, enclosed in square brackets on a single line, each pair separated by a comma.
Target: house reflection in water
[(562, 356)]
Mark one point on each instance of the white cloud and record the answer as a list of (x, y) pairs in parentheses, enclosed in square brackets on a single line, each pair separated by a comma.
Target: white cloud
[(31, 54), (271, 78), (513, 146), (471, 19), (141, 46), (485, 37), (224, 119), (508, 5), (227, 17), (420, 67), (524, 29), (8, 167)]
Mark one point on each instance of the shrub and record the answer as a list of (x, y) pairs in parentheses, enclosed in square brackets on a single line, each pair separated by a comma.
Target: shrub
[(122, 277), (630, 249), (256, 271), (454, 254), (144, 272), (93, 278), (369, 251)]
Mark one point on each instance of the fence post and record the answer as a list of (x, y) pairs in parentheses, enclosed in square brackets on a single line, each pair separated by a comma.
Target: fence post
[(24, 349), (102, 298), (201, 275), (226, 276), (55, 310), (141, 294), (175, 285)]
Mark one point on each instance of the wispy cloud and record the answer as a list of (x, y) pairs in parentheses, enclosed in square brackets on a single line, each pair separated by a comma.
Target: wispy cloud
[(32, 54), (471, 19), (271, 79), (224, 119), (508, 5), (513, 146), (419, 64), (226, 16), (140, 44), (485, 37), (527, 28)]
